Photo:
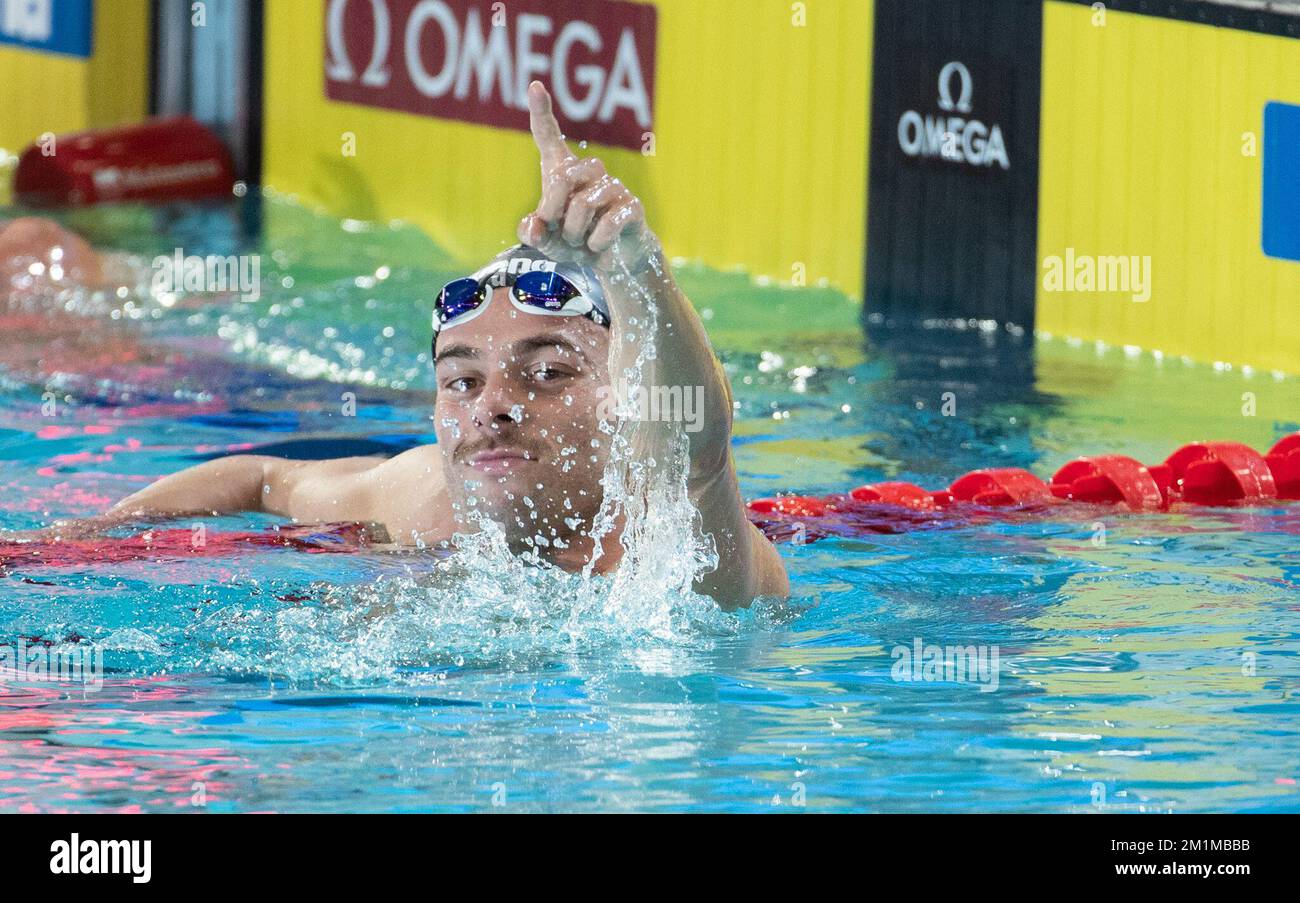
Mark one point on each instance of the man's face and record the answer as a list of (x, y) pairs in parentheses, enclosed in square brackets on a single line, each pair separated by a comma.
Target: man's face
[(517, 418)]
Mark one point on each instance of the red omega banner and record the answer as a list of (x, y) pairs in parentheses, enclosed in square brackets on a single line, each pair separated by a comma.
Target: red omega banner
[(472, 60)]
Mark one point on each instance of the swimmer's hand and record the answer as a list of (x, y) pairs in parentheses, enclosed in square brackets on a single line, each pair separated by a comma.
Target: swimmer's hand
[(585, 215)]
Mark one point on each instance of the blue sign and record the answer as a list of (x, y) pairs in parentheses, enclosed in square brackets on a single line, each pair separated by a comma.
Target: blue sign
[(1282, 180), (55, 26)]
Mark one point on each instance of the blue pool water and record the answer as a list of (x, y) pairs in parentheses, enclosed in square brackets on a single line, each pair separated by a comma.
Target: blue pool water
[(1145, 662)]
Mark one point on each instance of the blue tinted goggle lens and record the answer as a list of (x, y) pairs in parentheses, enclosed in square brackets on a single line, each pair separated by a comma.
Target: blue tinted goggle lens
[(549, 291), (459, 298)]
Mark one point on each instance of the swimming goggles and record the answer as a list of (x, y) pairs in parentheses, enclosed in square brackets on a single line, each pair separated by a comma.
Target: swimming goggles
[(543, 289)]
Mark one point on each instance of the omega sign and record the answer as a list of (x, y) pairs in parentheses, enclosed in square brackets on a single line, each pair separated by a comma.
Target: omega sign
[(953, 135), (472, 60)]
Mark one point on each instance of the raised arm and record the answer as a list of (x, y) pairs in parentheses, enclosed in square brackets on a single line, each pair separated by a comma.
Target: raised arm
[(586, 215)]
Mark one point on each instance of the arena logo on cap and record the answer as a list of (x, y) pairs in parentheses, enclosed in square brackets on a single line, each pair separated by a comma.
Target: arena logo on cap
[(514, 266), (472, 60), (952, 137)]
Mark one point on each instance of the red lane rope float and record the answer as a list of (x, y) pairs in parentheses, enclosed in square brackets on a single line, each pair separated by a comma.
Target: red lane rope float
[(171, 544), (793, 505), (904, 495), (1220, 473), (1284, 461), (1109, 478), (1000, 487), (1212, 474)]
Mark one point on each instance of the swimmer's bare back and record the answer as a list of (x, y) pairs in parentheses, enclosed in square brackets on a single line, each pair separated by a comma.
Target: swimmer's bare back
[(41, 249), (39, 260)]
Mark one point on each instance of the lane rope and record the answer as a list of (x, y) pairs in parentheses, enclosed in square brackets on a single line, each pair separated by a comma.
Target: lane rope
[(1197, 476)]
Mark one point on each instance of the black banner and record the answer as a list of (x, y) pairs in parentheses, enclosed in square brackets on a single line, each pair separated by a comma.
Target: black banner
[(953, 186), (239, 853)]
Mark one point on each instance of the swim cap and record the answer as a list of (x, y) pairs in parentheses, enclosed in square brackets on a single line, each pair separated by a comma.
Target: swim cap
[(512, 262)]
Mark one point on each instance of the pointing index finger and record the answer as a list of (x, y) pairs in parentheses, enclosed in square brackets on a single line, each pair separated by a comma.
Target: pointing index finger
[(545, 128)]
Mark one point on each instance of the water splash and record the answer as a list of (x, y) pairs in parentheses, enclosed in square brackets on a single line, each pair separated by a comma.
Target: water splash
[(646, 488), (479, 608)]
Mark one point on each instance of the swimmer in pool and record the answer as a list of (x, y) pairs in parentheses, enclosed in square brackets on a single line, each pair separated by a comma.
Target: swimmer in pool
[(523, 372)]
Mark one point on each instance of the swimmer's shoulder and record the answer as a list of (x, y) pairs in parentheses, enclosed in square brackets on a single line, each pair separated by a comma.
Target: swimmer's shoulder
[(422, 463), (408, 494)]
